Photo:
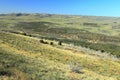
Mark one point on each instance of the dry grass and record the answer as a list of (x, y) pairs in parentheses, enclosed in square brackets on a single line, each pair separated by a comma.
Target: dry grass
[(37, 61)]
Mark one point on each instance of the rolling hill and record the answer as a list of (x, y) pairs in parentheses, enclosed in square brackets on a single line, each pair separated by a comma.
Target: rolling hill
[(23, 57), (30, 49)]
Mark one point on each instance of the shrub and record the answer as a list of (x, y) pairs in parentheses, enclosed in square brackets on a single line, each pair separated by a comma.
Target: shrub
[(19, 14), (76, 68), (5, 72), (51, 43), (23, 33), (102, 51), (41, 41), (90, 24), (59, 43), (44, 42), (29, 35)]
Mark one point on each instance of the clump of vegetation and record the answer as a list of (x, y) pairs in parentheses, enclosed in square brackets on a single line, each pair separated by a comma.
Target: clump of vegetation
[(90, 24), (5, 72), (44, 42), (51, 43), (76, 68), (102, 51), (41, 41), (59, 43), (29, 35), (16, 32)]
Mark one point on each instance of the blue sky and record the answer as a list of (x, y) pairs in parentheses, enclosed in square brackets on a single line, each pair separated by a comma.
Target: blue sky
[(74, 7)]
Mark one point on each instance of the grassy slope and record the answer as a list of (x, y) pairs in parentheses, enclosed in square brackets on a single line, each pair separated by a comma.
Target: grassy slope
[(70, 28), (25, 58)]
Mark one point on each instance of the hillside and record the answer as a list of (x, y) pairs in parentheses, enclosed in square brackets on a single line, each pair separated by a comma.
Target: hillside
[(94, 32), (25, 58), (59, 47), (95, 24)]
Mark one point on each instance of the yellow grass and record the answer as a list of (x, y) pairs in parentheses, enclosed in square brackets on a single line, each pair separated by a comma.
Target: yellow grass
[(93, 67)]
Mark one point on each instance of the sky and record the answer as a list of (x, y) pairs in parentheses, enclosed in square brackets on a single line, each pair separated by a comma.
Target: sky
[(71, 7)]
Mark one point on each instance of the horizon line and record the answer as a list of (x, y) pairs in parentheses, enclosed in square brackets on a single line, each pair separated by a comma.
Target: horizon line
[(58, 14)]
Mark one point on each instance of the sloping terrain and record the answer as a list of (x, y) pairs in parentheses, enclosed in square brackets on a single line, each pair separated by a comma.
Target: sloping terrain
[(94, 32), (25, 58)]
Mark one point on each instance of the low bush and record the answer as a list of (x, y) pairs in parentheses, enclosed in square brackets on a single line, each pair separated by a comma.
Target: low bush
[(59, 43), (41, 41), (5, 72), (76, 68), (51, 43), (44, 42)]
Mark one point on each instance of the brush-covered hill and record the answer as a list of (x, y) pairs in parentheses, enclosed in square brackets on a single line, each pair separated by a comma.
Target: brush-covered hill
[(94, 32), (26, 58), (30, 47), (95, 24)]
